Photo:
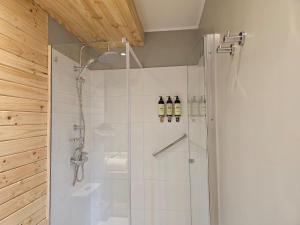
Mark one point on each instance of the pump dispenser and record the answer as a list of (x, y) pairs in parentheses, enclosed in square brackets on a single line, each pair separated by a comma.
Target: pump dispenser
[(161, 109), (202, 106), (177, 109), (169, 109)]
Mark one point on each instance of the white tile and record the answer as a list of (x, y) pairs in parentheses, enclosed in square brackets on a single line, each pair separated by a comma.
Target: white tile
[(165, 80), (157, 217), (137, 109), (97, 87), (115, 82), (152, 138), (167, 195), (116, 109), (170, 166), (151, 109), (195, 81), (136, 79), (137, 195), (97, 104), (179, 218), (137, 152), (167, 217), (138, 216)]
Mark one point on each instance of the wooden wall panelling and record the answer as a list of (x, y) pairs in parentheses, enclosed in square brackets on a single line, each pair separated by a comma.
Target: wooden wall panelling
[(12, 176), (23, 131), (19, 216), (21, 201), (22, 145), (15, 118), (35, 218), (20, 159), (25, 78), (24, 95), (18, 90), (20, 187), (20, 104)]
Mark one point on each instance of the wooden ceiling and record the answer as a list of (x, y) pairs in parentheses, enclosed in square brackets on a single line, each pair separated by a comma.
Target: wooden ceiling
[(97, 20)]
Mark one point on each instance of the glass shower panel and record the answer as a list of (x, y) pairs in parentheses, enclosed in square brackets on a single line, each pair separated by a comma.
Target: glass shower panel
[(160, 185), (100, 193), (198, 140)]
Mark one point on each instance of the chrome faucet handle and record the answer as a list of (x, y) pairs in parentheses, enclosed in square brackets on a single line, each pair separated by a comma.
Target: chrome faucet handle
[(76, 140)]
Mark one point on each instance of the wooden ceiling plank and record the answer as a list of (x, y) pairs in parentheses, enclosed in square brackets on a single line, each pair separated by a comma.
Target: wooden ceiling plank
[(23, 20), (118, 17), (94, 19), (132, 21), (80, 16), (100, 15), (97, 20), (32, 7), (66, 18), (113, 14)]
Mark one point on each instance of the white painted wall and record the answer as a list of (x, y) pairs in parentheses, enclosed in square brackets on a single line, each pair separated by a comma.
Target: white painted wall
[(258, 112)]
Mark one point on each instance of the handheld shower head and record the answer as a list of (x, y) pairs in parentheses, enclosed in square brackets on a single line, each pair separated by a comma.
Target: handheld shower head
[(85, 67)]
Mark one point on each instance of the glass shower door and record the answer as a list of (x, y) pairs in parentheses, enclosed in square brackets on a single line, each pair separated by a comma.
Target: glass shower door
[(197, 120), (101, 194)]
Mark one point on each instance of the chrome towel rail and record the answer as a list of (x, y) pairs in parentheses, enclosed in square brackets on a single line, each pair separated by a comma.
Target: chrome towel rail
[(170, 145)]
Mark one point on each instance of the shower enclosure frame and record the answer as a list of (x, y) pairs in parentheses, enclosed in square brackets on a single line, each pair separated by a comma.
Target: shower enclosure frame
[(211, 42), (129, 52)]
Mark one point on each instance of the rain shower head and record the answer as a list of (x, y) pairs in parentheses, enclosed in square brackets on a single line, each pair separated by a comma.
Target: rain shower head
[(109, 57)]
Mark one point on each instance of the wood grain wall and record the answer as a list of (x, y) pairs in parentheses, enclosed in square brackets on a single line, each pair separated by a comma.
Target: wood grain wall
[(23, 113)]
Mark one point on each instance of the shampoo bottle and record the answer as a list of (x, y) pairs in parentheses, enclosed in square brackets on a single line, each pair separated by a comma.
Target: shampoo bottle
[(202, 106), (161, 109), (169, 109), (177, 109)]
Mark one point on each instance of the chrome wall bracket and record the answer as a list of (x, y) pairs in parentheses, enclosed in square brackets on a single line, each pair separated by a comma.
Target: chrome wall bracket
[(230, 41), (224, 49), (235, 39)]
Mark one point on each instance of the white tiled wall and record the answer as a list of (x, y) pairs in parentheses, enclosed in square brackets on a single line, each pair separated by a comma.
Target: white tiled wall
[(67, 206), (160, 186)]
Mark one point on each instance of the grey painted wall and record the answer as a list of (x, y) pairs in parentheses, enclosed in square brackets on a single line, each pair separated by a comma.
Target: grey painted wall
[(171, 48), (258, 111)]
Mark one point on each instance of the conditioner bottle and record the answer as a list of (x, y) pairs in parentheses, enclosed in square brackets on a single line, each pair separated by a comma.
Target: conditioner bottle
[(177, 109), (169, 109), (161, 109)]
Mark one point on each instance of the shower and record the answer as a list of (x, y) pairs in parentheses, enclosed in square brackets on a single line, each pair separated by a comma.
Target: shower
[(80, 157), (114, 177)]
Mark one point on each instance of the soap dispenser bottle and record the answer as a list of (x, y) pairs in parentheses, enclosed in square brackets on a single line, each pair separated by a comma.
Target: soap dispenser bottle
[(202, 106), (194, 107), (177, 109), (169, 109), (161, 109)]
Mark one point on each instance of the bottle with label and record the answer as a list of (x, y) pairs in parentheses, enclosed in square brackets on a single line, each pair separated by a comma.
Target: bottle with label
[(169, 109), (194, 107), (202, 106), (161, 109), (177, 109)]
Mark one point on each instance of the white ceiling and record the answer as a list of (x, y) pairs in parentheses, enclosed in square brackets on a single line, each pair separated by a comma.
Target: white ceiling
[(166, 15)]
